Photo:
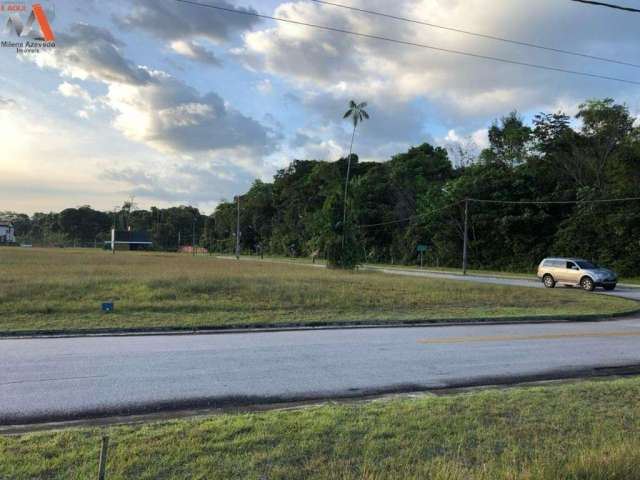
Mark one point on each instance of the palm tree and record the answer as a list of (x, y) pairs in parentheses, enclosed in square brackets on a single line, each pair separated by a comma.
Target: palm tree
[(358, 114)]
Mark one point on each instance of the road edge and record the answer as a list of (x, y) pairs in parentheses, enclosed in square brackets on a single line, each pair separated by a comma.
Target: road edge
[(313, 326), (205, 407)]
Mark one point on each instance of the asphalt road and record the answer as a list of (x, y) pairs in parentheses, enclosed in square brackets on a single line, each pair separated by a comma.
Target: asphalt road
[(69, 378), (621, 291)]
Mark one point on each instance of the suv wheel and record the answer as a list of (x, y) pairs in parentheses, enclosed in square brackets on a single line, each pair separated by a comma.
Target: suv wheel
[(587, 284), (548, 281)]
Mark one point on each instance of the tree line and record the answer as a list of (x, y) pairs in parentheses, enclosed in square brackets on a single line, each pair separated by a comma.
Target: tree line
[(417, 198)]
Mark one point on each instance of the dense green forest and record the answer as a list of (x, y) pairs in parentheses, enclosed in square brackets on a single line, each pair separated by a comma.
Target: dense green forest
[(418, 197)]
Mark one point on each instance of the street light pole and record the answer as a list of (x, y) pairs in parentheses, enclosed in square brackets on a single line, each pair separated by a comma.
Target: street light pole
[(466, 236), (238, 229)]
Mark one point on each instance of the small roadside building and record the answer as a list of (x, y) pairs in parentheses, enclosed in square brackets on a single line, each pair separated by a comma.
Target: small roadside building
[(7, 232), (129, 240)]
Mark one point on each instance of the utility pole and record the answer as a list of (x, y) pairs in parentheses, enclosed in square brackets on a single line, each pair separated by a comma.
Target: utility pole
[(238, 229), (466, 236), (113, 230)]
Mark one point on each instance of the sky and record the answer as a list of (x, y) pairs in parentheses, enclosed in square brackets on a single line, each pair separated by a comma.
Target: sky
[(172, 103)]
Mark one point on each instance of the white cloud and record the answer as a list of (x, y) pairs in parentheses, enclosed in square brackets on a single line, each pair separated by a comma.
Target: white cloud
[(452, 136), (464, 148), (89, 52), (264, 86), (172, 117), (182, 25), (205, 144), (481, 138), (194, 51), (459, 86), (151, 106), (73, 90)]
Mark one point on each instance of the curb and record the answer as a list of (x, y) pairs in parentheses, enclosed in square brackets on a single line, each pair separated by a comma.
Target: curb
[(313, 326)]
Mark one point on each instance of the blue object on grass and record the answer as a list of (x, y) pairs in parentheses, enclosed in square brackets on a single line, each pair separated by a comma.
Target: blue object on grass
[(107, 307)]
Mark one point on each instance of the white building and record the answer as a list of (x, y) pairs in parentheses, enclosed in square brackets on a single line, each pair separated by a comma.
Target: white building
[(7, 233)]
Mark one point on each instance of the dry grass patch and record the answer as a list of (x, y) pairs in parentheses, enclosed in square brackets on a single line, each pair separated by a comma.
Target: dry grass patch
[(62, 289)]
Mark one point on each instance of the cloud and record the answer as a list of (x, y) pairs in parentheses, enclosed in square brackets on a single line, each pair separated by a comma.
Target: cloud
[(481, 138), (178, 22), (173, 117), (197, 184), (6, 103), (204, 146), (89, 52), (151, 106), (301, 139), (195, 52), (264, 86), (73, 90), (459, 88), (465, 148), (391, 128)]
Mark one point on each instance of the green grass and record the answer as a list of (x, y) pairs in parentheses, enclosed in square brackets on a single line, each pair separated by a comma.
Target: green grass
[(586, 430), (59, 289)]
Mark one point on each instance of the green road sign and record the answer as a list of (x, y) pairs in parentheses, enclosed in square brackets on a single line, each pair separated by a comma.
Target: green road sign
[(422, 248)]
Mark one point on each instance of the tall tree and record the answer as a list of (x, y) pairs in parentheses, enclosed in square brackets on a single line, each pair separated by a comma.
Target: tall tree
[(508, 141), (357, 114)]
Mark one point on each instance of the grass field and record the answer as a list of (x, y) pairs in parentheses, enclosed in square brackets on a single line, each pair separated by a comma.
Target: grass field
[(59, 289), (586, 430)]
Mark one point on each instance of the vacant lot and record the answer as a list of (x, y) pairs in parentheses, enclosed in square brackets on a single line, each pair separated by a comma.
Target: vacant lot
[(59, 289), (580, 431)]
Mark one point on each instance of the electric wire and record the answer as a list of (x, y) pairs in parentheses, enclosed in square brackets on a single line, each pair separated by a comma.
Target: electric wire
[(506, 202), (413, 44), (556, 202), (608, 5), (413, 217), (480, 35)]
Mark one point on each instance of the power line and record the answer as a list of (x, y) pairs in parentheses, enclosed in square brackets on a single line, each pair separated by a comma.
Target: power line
[(481, 35), (413, 44), (507, 202), (413, 217), (555, 202), (609, 5)]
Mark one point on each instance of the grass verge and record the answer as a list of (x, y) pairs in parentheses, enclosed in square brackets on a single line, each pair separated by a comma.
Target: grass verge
[(585, 430), (57, 290), (631, 281)]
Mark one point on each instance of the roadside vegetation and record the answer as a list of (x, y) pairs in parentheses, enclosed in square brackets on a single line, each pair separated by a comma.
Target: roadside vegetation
[(417, 198), (632, 281), (58, 289), (586, 430)]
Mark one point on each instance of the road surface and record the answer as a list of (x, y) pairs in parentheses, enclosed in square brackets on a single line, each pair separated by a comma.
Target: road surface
[(69, 378), (621, 291)]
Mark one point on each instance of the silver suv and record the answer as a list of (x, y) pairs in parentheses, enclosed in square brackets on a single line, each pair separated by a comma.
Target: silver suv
[(575, 272)]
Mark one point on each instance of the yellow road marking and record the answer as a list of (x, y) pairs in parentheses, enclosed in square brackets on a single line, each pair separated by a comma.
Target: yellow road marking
[(549, 336)]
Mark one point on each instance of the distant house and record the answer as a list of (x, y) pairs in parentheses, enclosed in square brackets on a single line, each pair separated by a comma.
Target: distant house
[(129, 240), (7, 233)]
